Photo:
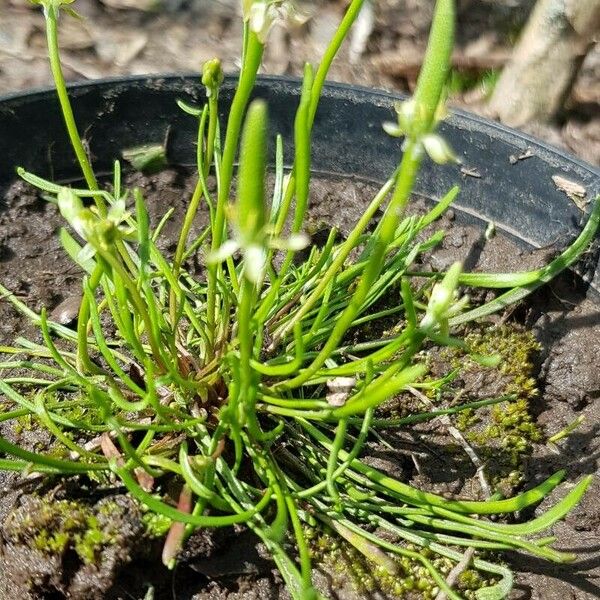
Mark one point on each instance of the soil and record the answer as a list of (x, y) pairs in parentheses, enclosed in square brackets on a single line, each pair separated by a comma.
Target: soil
[(119, 37), (230, 563)]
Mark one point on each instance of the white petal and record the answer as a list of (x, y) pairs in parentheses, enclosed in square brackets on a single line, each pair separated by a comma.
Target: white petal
[(69, 204), (296, 241), (392, 129), (438, 149), (406, 113), (116, 212), (261, 19), (255, 260), (85, 254), (225, 251)]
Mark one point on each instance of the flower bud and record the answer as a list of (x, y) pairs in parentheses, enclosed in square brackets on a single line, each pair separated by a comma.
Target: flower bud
[(261, 17), (55, 6), (249, 213), (442, 298), (255, 261), (71, 208), (212, 76)]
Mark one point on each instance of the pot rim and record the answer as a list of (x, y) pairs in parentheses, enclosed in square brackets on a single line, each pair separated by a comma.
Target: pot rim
[(521, 197), (334, 86)]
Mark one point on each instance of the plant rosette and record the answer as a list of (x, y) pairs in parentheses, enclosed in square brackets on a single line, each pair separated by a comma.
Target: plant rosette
[(239, 386)]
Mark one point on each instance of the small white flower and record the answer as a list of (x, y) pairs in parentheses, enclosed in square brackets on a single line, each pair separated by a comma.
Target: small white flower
[(408, 124), (438, 149), (255, 251), (95, 230), (263, 14)]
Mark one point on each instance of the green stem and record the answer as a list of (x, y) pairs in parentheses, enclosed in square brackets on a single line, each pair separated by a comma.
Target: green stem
[(332, 463), (189, 217), (140, 306), (252, 60), (34, 459), (334, 45), (436, 66), (426, 499), (176, 515), (51, 14), (247, 389), (407, 175), (83, 355), (325, 279), (547, 273)]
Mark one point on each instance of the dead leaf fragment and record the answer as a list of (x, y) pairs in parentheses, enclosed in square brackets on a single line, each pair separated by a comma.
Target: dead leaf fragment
[(109, 450), (174, 540), (340, 389), (575, 191), (515, 158), (470, 172)]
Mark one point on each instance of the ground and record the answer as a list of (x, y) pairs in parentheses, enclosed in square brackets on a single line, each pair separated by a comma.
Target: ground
[(179, 35)]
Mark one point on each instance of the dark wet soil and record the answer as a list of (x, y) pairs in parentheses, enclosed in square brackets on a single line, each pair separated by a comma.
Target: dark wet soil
[(230, 564)]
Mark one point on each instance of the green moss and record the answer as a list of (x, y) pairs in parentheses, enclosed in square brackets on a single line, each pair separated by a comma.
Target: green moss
[(56, 526), (22, 424), (156, 525), (504, 433), (516, 348), (466, 419), (89, 543), (346, 562), (51, 543)]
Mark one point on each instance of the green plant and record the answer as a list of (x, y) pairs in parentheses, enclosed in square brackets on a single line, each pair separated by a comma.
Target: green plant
[(240, 384)]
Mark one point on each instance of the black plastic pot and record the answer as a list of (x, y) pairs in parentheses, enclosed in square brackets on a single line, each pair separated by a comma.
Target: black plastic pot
[(519, 196)]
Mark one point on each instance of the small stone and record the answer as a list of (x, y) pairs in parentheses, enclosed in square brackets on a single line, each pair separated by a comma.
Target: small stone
[(67, 311)]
